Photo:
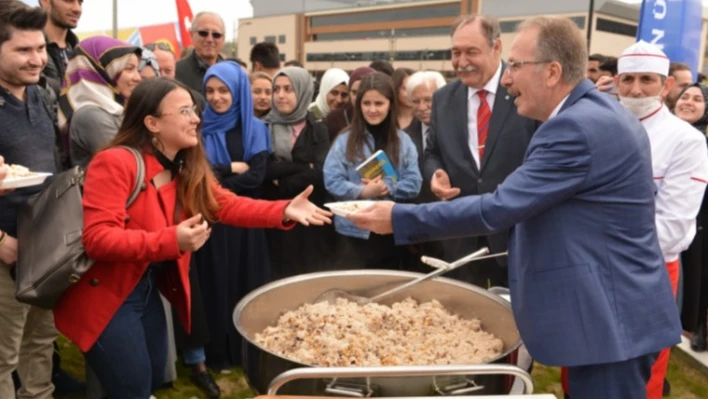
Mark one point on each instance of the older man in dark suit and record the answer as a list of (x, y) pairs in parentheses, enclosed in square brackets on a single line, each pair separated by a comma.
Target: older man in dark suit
[(476, 138)]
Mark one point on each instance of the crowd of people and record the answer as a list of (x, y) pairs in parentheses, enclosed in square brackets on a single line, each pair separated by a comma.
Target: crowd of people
[(240, 161)]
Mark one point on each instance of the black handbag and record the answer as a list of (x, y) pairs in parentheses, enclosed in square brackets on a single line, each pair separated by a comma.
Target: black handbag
[(50, 252)]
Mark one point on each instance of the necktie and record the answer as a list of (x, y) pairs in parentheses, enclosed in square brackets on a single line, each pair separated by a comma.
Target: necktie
[(484, 114)]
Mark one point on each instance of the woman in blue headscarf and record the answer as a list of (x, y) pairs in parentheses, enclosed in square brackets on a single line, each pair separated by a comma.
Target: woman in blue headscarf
[(234, 261)]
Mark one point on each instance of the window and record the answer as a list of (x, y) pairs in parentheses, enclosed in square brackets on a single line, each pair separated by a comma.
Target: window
[(420, 55), (437, 11), (281, 39), (619, 28), (510, 26), (379, 34), (253, 41), (269, 39), (580, 21)]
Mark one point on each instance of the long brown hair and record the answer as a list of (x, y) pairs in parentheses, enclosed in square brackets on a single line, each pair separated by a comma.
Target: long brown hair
[(383, 84), (194, 183)]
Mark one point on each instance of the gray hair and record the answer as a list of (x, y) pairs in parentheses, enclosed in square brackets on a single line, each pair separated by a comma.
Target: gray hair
[(490, 26), (559, 39), (204, 14), (429, 79)]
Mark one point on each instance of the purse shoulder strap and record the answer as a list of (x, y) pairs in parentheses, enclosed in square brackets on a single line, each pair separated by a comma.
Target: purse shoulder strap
[(139, 177)]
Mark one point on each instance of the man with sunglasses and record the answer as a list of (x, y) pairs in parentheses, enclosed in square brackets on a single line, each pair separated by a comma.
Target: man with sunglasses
[(208, 38)]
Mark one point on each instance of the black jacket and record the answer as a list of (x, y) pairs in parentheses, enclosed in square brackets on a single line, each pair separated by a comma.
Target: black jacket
[(190, 70), (56, 68), (308, 154)]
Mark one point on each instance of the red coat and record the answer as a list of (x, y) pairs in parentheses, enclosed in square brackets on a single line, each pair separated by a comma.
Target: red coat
[(124, 242)]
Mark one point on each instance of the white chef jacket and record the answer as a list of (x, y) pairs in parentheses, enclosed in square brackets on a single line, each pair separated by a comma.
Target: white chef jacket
[(680, 164)]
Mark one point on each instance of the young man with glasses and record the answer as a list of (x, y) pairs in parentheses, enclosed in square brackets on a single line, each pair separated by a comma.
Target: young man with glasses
[(208, 38)]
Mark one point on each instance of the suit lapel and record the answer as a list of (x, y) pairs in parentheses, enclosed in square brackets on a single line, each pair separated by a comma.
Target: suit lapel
[(416, 133), (458, 108), (503, 103)]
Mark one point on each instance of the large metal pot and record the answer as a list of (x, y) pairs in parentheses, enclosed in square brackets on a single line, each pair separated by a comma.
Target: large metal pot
[(262, 307)]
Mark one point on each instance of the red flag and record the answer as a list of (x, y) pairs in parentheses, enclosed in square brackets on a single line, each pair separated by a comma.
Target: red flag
[(184, 17)]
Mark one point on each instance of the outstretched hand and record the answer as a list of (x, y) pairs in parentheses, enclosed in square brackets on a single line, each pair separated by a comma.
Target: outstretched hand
[(376, 218), (302, 211)]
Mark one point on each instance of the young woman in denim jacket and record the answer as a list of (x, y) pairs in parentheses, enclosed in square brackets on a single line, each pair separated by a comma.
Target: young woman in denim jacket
[(373, 128)]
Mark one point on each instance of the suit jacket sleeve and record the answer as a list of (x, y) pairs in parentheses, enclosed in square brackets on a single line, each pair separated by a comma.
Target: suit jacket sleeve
[(556, 167), (248, 212), (432, 160), (109, 182)]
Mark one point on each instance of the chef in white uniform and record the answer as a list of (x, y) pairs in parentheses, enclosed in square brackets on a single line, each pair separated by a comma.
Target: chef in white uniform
[(679, 160)]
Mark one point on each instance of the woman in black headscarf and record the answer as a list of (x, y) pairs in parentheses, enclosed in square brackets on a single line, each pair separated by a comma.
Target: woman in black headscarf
[(692, 107)]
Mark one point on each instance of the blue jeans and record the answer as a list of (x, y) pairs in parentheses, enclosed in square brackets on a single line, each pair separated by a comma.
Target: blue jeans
[(130, 356), (194, 356)]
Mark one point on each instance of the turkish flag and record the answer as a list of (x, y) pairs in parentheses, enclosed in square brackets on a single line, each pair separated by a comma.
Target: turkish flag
[(184, 16)]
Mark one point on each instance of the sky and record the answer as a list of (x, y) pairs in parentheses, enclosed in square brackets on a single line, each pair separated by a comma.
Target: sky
[(97, 14)]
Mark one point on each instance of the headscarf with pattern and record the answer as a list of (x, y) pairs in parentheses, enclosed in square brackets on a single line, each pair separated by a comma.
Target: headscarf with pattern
[(91, 77)]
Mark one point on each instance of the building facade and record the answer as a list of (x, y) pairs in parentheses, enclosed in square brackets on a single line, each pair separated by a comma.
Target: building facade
[(414, 33)]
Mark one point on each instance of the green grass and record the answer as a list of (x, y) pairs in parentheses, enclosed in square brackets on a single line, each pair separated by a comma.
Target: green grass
[(687, 380)]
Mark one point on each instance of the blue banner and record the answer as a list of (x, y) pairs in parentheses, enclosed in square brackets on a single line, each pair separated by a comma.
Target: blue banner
[(675, 27)]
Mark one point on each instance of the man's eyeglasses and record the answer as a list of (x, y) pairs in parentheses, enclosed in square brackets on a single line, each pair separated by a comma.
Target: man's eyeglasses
[(205, 34), (514, 66)]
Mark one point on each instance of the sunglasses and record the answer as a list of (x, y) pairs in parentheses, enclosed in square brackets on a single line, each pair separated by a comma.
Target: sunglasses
[(205, 34)]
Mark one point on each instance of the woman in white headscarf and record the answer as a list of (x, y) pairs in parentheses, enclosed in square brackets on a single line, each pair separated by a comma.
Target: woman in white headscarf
[(334, 93)]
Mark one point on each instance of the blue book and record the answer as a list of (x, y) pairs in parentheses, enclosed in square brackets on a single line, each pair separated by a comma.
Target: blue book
[(377, 165)]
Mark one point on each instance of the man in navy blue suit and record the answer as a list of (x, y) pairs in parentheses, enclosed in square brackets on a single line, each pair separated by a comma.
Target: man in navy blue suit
[(588, 282)]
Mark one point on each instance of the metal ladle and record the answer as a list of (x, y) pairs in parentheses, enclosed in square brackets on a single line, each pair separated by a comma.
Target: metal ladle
[(331, 296)]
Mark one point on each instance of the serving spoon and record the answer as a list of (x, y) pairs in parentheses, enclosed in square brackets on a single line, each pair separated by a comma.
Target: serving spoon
[(331, 296)]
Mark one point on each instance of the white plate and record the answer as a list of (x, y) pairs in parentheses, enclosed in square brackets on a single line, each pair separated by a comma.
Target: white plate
[(27, 181), (344, 208)]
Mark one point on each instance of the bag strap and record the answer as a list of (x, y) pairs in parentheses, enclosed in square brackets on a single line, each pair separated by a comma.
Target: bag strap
[(139, 177)]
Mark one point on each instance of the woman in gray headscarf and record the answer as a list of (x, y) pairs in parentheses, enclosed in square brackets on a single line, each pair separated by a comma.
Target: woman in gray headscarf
[(300, 144)]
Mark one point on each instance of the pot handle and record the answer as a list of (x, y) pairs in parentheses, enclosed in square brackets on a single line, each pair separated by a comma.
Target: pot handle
[(400, 371), (496, 290)]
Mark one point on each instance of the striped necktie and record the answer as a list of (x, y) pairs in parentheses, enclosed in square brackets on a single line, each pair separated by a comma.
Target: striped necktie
[(484, 114)]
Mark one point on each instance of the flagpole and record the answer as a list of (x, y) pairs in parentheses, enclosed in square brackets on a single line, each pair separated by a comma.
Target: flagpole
[(115, 19), (591, 16)]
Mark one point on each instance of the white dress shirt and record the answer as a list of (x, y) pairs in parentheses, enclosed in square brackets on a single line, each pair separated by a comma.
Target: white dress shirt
[(558, 107), (473, 107)]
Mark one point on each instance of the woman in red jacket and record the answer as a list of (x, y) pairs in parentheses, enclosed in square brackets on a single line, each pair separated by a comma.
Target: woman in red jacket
[(114, 313)]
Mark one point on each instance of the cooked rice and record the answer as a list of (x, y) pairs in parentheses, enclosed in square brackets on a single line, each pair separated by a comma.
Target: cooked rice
[(16, 171), (407, 333)]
